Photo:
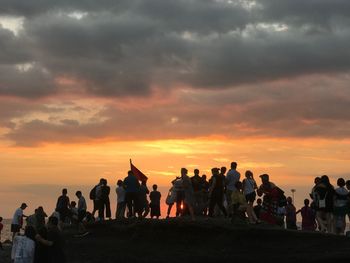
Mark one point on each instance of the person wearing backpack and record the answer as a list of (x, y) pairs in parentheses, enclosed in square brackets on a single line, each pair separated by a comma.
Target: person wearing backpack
[(324, 194), (94, 197), (340, 207)]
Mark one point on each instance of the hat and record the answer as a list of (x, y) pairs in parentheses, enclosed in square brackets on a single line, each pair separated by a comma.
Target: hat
[(264, 176)]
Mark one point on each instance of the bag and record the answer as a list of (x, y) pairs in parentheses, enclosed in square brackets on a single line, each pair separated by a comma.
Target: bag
[(171, 198), (93, 193), (322, 202)]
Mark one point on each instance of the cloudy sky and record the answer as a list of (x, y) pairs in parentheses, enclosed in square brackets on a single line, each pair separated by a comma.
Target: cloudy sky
[(85, 85)]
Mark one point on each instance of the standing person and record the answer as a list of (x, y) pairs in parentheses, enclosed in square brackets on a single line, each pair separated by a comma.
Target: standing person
[(93, 196), (143, 200), (188, 191), (232, 178), (340, 206), (324, 199), (291, 216), (120, 191), (132, 187), (180, 195), (271, 211), (17, 220), (105, 202), (155, 202), (82, 208), (1, 228), (23, 248), (205, 195), (171, 198), (347, 184), (40, 218), (63, 205), (196, 182), (249, 186), (216, 192), (308, 217)]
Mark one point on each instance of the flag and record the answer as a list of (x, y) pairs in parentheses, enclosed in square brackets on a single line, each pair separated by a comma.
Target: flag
[(139, 175)]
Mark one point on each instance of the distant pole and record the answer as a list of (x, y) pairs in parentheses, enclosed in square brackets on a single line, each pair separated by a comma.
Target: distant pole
[(293, 191)]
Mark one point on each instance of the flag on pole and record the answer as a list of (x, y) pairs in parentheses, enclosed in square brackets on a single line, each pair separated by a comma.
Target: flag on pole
[(139, 175)]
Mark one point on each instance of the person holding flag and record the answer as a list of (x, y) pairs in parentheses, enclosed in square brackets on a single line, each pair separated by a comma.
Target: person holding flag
[(132, 189)]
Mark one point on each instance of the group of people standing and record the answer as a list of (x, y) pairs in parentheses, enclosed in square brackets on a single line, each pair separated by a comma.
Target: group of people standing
[(224, 194)]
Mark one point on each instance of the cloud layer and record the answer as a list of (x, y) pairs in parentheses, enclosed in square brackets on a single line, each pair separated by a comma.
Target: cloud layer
[(176, 68)]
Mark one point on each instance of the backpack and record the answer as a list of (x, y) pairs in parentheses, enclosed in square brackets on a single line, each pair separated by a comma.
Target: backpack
[(93, 193), (322, 202)]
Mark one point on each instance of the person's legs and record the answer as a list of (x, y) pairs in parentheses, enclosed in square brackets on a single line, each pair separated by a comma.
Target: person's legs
[(129, 199), (101, 209), (320, 221), (169, 210), (219, 202), (229, 202), (330, 224), (146, 212), (108, 209), (212, 203)]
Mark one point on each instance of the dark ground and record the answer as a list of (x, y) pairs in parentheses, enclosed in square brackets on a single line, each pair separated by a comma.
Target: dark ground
[(179, 240)]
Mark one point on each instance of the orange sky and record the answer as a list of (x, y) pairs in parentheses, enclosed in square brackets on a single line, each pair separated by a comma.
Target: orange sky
[(87, 85), (36, 175)]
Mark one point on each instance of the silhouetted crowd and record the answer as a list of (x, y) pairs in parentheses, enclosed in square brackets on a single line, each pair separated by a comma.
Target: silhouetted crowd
[(225, 195)]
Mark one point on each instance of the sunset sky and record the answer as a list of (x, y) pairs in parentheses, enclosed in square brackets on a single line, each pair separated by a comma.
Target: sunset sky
[(86, 85)]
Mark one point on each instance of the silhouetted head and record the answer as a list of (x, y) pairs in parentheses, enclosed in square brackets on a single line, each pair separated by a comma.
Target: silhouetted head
[(259, 201), (64, 191), (265, 178), (105, 182), (78, 194), (101, 180), (120, 183), (306, 202), (215, 171), (183, 171), (130, 173), (317, 180), (155, 187), (289, 200), (204, 177), (223, 170), (23, 206), (341, 182), (233, 165), (196, 172), (249, 174), (325, 179), (40, 209), (73, 204), (30, 232)]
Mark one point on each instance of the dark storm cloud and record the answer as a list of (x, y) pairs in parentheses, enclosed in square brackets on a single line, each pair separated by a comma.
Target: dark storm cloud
[(12, 50), (123, 48)]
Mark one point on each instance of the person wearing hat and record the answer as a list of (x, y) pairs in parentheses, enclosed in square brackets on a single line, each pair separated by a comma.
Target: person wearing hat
[(272, 196), (17, 220)]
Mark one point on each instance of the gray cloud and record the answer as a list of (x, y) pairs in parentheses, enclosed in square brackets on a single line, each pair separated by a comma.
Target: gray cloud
[(301, 109), (124, 48)]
